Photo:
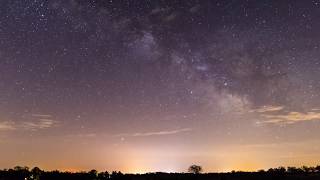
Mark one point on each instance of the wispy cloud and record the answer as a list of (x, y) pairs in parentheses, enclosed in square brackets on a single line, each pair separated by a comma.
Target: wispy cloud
[(32, 122), (155, 133), (39, 121), (279, 115), (84, 135), (291, 117), (265, 109), (38, 124), (42, 115), (5, 125)]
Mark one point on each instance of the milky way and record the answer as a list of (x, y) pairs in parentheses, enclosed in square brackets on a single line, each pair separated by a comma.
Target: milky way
[(158, 85)]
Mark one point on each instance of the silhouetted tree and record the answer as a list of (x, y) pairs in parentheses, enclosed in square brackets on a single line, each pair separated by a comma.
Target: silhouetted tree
[(280, 170), (93, 174), (21, 172), (195, 169), (307, 169), (116, 175), (103, 175), (312, 169), (271, 170), (36, 173), (294, 170)]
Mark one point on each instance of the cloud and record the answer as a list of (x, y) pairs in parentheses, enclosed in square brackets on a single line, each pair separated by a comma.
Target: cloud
[(291, 117), (84, 135), (277, 115), (32, 122), (156, 133), (38, 124), (5, 125), (265, 109), (41, 115)]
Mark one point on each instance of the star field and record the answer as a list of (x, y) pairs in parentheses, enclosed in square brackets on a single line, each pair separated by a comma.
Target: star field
[(147, 85)]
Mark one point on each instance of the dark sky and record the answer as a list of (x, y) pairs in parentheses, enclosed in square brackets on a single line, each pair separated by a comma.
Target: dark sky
[(145, 85)]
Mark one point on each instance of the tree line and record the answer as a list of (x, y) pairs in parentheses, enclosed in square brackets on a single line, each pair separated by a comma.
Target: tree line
[(194, 172)]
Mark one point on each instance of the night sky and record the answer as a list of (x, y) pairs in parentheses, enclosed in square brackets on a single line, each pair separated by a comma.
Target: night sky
[(145, 85)]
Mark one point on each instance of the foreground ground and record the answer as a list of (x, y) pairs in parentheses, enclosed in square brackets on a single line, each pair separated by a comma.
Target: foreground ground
[(20, 174)]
